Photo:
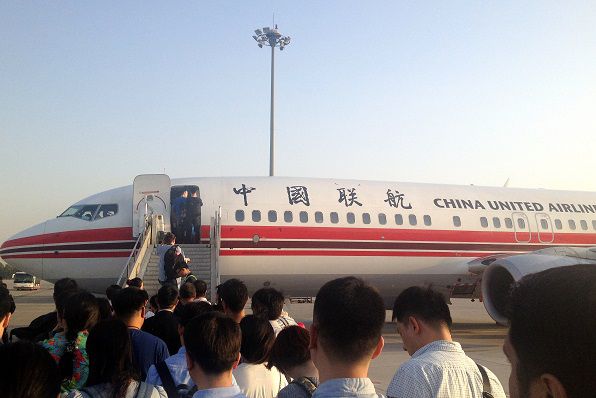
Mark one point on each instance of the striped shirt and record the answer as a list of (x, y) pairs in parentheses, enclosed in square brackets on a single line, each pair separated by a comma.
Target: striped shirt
[(441, 369)]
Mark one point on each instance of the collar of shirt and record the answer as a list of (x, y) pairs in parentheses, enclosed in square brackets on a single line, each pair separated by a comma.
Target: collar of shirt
[(346, 387), (438, 345), (167, 309), (222, 392)]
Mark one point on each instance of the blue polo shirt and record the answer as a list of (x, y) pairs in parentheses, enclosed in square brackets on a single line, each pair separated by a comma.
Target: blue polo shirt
[(147, 350)]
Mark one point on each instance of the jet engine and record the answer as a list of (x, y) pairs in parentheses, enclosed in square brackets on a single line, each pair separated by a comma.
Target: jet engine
[(499, 277)]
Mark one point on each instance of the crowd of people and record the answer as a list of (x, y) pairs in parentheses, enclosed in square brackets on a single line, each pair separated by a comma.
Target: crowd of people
[(189, 347)]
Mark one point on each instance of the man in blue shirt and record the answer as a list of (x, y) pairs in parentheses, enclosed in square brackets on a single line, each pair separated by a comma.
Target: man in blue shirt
[(212, 342), (129, 306), (345, 335)]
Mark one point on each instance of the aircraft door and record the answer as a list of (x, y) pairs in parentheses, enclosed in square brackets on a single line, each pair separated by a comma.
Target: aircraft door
[(521, 226), (545, 228), (151, 195), (186, 214)]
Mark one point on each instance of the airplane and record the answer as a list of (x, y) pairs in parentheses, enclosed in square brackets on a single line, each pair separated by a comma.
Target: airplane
[(295, 234)]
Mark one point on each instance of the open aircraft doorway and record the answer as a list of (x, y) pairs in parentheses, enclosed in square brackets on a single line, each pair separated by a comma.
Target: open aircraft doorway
[(185, 218)]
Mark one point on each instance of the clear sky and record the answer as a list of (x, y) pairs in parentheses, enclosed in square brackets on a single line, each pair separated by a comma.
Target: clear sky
[(94, 93)]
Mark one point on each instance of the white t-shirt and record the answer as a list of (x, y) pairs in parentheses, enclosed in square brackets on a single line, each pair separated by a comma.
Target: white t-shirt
[(256, 381), (281, 323)]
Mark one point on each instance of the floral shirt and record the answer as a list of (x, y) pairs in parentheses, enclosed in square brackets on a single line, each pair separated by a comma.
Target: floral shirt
[(56, 346)]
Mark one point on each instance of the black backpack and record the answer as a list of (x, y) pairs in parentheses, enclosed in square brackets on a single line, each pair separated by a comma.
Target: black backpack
[(173, 262)]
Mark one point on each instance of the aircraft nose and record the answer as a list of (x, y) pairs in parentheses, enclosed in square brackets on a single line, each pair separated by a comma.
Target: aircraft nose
[(23, 251)]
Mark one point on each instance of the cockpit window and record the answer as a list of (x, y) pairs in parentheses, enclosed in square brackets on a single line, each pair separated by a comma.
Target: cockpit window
[(90, 212)]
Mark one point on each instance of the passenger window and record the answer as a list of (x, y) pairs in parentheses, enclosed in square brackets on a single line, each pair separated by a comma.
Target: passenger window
[(497, 222), (508, 223), (256, 215), (484, 222), (558, 224), (366, 218), (351, 218), (572, 225), (412, 219), (272, 216), (288, 216), (456, 221), (544, 224), (239, 215), (427, 220), (584, 225), (318, 217), (106, 211), (383, 219), (334, 217), (521, 223), (303, 217), (399, 220)]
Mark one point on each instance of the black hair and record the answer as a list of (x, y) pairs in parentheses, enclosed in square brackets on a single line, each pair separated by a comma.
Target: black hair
[(212, 341), (291, 349), (153, 301), (349, 315), (257, 339), (552, 318), (169, 238), (61, 300), (167, 295), (135, 282), (191, 310), (200, 287), (424, 303), (112, 291), (234, 293), (63, 285), (81, 312), (129, 301), (105, 309), (267, 302), (187, 290), (109, 349), (27, 370), (6, 302)]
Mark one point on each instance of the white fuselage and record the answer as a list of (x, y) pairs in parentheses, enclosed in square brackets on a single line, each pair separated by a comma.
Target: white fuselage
[(296, 233)]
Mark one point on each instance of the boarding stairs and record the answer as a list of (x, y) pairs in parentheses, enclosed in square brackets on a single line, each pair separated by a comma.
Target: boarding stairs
[(143, 261)]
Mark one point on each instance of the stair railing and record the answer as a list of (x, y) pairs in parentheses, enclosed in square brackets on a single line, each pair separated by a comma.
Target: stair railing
[(135, 259)]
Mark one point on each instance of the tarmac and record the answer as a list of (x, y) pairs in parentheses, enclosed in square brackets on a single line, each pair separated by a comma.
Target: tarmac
[(478, 334)]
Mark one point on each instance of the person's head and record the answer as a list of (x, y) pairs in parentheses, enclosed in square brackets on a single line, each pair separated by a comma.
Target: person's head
[(257, 339), (348, 318), (200, 287), (187, 292), (153, 303), (63, 285), (189, 311), (267, 302), (105, 309), (184, 194), (169, 238), (28, 370), (129, 305), (233, 295), (422, 316), (112, 291), (290, 349), (167, 297), (109, 349), (81, 313), (135, 282), (212, 342), (550, 344), (7, 307)]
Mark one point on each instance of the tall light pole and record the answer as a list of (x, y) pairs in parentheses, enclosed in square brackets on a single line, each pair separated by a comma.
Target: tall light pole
[(272, 38)]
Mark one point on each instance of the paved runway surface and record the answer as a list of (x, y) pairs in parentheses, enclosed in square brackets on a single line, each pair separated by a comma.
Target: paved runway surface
[(478, 334)]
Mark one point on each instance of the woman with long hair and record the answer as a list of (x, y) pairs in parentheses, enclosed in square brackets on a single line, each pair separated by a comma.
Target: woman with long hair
[(78, 312), (111, 371)]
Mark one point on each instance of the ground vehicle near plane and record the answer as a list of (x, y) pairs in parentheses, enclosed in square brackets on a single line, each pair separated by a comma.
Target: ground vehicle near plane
[(297, 233), (25, 281)]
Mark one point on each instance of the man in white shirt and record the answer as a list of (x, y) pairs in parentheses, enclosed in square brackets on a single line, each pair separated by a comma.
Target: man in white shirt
[(438, 367), (212, 342), (268, 303)]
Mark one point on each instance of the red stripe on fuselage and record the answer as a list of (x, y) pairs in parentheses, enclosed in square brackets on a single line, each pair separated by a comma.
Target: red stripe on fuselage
[(83, 235), (348, 253), (69, 255)]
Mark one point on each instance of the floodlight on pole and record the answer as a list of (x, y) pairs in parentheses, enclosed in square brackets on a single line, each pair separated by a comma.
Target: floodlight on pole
[(272, 38)]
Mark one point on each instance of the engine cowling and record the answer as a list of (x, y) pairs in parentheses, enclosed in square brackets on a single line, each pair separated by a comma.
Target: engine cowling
[(498, 278)]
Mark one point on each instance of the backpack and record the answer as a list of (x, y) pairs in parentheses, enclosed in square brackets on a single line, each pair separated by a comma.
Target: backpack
[(172, 262)]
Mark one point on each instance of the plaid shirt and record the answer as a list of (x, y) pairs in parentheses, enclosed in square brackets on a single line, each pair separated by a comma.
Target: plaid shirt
[(441, 369)]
